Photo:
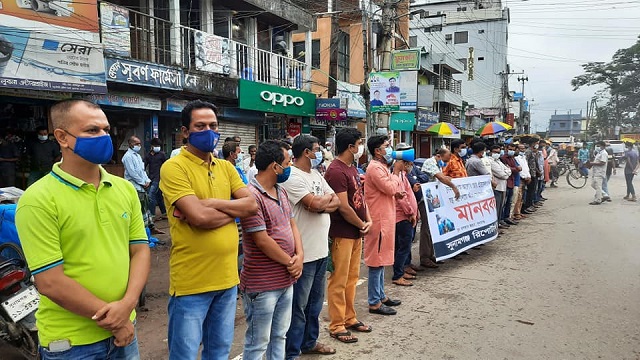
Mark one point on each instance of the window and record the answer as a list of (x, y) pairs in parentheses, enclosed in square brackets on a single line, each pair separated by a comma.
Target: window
[(480, 58), (464, 62), (298, 51), (463, 8), (461, 37), (481, 31), (300, 54), (563, 125), (448, 37), (343, 56), (413, 41)]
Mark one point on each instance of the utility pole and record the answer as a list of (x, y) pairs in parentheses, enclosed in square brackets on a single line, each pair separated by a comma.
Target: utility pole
[(388, 35), (332, 90), (366, 27), (521, 116), (505, 90)]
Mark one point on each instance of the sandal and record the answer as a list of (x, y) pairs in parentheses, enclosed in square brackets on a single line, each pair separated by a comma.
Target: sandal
[(320, 349), (410, 271), (408, 276), (359, 327), (344, 337), (402, 282)]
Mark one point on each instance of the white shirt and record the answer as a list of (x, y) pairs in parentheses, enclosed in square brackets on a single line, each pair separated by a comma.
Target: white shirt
[(501, 173), (600, 170), (251, 174), (245, 164), (525, 173), (314, 227)]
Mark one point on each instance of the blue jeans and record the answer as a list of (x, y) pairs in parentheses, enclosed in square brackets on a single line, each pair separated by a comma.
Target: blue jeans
[(206, 318), (308, 296), (404, 235), (376, 285), (102, 350), (155, 198), (541, 187), (605, 186), (268, 317)]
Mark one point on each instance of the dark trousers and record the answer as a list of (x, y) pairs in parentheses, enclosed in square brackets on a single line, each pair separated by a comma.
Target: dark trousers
[(532, 189), (499, 195), (630, 190), (508, 196), (426, 243), (404, 235)]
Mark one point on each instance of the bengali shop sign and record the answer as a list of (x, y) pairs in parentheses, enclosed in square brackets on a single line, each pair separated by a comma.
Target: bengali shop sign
[(458, 225), (144, 74)]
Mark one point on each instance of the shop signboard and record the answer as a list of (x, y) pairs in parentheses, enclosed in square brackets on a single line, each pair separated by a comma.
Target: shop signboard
[(276, 99), (34, 94), (393, 91), (174, 105), (114, 28), (128, 100), (330, 109), (405, 59), (52, 46), (426, 119), (294, 128), (203, 84), (144, 74), (403, 121), (212, 53), (355, 101)]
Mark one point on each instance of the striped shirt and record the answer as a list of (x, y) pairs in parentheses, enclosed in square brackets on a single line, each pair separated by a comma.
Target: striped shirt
[(259, 272)]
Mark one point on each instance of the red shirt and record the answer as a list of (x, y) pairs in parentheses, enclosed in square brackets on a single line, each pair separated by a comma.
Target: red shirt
[(344, 178), (455, 168), (259, 272)]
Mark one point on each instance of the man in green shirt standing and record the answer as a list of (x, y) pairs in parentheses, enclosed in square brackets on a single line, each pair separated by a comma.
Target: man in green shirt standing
[(83, 235)]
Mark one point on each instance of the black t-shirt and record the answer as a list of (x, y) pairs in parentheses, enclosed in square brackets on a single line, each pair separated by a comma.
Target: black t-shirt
[(43, 155), (344, 178)]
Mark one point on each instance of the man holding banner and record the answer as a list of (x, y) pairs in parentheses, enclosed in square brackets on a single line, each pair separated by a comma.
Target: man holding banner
[(381, 188)]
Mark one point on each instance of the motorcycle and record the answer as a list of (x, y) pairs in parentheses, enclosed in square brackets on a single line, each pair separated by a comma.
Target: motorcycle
[(19, 301)]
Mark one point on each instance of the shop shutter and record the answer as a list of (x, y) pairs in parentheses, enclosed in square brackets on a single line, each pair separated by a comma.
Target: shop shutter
[(246, 132)]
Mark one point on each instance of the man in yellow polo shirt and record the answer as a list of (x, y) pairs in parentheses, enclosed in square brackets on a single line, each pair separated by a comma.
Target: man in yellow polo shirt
[(204, 195), (83, 235)]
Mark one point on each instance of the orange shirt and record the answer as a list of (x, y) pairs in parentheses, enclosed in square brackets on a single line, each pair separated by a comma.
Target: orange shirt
[(455, 168)]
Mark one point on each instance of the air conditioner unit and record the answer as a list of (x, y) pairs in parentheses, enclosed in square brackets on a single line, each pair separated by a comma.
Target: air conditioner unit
[(448, 37)]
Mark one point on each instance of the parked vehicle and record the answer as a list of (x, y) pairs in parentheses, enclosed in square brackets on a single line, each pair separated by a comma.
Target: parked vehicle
[(19, 299), (618, 150)]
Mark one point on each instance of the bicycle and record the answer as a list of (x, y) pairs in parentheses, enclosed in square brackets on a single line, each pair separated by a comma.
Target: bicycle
[(563, 166), (576, 178)]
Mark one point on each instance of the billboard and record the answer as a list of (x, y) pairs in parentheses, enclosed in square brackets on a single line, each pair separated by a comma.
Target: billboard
[(212, 53), (393, 91), (114, 28), (405, 59), (52, 45)]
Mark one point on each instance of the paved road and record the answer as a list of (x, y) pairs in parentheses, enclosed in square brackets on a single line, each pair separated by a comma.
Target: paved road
[(562, 285)]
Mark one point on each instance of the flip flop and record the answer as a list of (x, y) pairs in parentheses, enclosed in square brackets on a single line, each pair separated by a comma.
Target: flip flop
[(357, 327), (340, 336)]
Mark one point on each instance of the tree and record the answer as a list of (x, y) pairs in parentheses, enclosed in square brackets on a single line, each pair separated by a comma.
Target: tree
[(621, 80)]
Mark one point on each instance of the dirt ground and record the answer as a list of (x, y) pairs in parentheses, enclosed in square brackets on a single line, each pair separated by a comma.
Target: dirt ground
[(563, 284)]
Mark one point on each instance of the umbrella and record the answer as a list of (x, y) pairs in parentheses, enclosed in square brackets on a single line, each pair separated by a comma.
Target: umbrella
[(629, 140), (443, 128), (492, 128)]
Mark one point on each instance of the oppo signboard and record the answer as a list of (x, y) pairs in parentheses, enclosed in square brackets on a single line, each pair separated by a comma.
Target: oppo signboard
[(276, 99)]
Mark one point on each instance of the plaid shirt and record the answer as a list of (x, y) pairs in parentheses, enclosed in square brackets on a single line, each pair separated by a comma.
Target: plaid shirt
[(455, 168)]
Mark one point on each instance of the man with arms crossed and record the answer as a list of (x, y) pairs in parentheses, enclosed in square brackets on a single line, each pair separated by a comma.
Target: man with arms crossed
[(84, 238), (203, 195)]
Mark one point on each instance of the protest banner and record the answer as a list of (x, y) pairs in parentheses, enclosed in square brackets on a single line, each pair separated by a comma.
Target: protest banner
[(459, 225)]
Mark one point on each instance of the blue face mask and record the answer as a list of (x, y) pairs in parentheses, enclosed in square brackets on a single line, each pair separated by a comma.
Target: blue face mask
[(463, 152), (387, 155), (205, 141), (286, 172), (317, 161), (442, 163), (97, 149)]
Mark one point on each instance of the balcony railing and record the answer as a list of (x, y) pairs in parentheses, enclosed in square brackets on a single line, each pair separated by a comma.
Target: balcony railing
[(247, 62), (156, 40), (448, 83)]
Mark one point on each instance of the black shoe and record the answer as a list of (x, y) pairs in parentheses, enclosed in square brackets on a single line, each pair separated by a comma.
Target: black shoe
[(510, 222), (606, 198), (383, 310), (390, 302), (503, 225), (595, 203), (527, 212), (543, 198)]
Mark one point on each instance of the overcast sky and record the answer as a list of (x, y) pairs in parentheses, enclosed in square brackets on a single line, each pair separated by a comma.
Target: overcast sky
[(549, 40)]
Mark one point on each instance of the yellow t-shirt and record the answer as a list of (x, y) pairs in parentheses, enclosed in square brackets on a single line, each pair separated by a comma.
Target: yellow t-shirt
[(62, 220), (201, 260)]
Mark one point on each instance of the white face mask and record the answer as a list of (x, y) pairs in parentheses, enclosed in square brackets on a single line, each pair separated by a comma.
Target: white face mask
[(239, 159), (136, 148), (358, 155), (43, 137), (495, 156), (156, 149)]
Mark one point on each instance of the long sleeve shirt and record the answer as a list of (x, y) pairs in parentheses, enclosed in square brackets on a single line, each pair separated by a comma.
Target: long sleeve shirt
[(512, 164), (134, 170), (415, 176), (407, 206), (525, 173), (500, 174), (455, 168)]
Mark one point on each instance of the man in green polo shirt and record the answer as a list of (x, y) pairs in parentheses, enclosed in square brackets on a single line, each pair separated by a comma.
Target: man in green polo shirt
[(83, 235)]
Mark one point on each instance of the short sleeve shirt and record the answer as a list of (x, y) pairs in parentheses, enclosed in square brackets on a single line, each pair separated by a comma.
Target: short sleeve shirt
[(431, 168), (476, 167), (344, 178), (313, 227), (259, 272), (63, 221), (455, 168), (202, 260), (600, 170)]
